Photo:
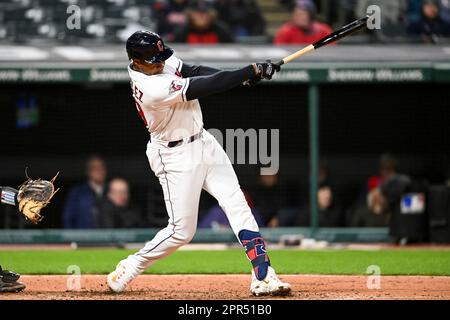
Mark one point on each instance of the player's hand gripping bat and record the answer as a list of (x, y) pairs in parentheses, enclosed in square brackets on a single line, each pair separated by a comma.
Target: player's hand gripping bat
[(332, 37)]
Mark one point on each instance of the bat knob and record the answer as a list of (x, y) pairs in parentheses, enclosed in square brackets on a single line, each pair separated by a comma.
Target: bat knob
[(279, 63)]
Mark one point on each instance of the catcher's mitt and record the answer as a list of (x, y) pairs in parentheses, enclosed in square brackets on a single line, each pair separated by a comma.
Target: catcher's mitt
[(33, 196)]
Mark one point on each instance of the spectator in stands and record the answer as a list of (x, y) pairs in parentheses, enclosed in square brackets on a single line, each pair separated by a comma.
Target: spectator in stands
[(415, 10), (363, 216), (430, 26), (303, 27), (384, 191), (328, 203), (202, 26), (115, 210), (82, 204), (243, 17), (330, 209), (170, 16), (330, 213), (215, 217), (392, 184)]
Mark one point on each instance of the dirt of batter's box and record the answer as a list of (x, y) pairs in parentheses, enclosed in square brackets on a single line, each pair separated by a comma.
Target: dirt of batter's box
[(197, 287)]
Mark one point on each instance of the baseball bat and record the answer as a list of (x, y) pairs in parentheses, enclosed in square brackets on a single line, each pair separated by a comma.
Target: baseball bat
[(332, 37)]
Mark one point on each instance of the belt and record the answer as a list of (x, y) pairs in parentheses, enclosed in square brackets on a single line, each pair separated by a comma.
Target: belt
[(175, 143)]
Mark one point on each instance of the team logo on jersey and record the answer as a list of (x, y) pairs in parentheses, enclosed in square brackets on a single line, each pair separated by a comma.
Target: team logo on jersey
[(175, 86), (160, 46)]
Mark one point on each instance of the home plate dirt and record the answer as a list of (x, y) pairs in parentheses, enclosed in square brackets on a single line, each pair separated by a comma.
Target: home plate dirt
[(226, 287)]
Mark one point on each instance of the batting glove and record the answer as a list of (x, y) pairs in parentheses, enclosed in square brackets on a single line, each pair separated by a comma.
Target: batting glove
[(266, 70)]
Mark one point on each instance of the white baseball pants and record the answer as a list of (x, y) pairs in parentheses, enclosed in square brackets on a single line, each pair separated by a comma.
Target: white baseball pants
[(183, 172)]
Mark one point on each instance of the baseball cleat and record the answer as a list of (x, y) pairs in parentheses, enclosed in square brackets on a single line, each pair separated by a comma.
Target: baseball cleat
[(119, 279), (271, 285), (11, 286), (8, 276), (8, 281)]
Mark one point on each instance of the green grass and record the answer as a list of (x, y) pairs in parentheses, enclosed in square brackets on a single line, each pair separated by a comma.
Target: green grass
[(391, 262)]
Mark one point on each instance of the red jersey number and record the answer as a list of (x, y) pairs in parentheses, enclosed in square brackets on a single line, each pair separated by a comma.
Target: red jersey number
[(137, 95)]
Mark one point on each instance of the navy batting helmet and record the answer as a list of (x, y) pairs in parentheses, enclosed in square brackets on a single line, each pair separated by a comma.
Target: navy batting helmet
[(148, 46)]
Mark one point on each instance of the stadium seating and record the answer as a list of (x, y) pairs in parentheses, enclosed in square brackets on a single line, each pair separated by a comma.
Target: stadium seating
[(45, 20), (112, 21)]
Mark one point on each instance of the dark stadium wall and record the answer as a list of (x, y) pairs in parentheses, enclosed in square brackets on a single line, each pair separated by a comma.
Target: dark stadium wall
[(365, 119)]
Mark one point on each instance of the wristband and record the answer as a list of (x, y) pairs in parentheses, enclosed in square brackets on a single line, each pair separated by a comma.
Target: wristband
[(8, 196)]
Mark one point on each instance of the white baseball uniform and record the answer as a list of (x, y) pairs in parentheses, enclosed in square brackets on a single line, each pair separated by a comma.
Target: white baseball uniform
[(184, 170)]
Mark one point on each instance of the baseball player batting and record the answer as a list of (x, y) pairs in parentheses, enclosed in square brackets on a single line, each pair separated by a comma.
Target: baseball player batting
[(31, 198), (186, 159)]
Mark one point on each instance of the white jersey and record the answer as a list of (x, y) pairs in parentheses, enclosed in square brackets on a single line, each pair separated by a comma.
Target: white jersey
[(183, 171), (161, 102)]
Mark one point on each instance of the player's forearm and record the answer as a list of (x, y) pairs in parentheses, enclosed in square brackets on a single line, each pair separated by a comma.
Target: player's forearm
[(8, 195), (203, 86), (190, 71)]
